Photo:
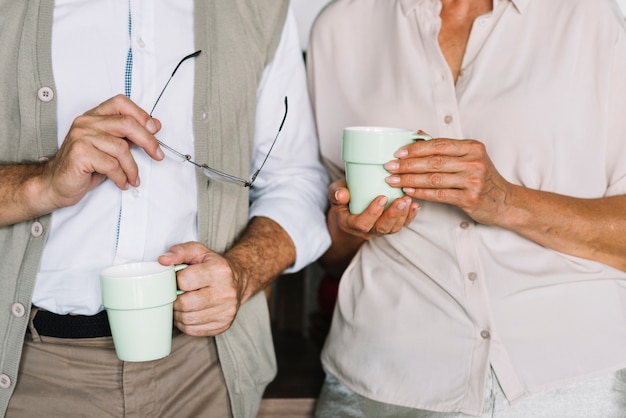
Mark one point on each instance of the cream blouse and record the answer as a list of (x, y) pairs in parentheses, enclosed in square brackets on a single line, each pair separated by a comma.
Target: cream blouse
[(423, 314)]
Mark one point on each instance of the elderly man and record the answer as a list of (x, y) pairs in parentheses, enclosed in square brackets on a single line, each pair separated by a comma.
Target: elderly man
[(92, 176)]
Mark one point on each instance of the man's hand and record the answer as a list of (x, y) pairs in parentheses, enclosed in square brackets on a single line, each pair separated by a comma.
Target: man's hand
[(213, 291), (216, 285), (96, 147)]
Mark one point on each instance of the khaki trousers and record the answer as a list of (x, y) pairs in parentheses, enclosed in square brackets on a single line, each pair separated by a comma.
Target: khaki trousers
[(84, 378)]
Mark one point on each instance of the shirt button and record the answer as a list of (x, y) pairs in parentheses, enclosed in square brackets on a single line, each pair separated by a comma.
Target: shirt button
[(204, 116), (464, 225), (5, 381), (141, 43), (45, 94), (484, 334), (17, 309), (36, 229), (472, 276), (448, 119), (136, 193)]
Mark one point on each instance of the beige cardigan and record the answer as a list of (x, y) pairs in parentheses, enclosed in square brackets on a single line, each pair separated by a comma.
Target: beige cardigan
[(240, 38)]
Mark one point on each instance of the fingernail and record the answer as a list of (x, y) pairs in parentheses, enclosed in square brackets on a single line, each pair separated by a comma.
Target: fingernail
[(393, 179), (383, 201), (403, 204), (151, 126), (392, 165), (408, 190), (336, 195), (160, 154), (401, 153)]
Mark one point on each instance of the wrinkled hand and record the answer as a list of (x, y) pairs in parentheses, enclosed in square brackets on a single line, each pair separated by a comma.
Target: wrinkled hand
[(457, 172), (374, 220), (97, 147), (213, 290)]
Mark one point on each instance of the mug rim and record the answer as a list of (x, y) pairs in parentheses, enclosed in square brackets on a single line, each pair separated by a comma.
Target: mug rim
[(134, 269), (376, 129)]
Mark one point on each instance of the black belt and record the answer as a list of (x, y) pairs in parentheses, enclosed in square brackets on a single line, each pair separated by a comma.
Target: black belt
[(72, 326)]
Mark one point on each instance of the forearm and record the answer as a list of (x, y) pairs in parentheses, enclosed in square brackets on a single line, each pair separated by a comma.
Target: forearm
[(21, 193), (344, 246), (264, 251), (593, 229)]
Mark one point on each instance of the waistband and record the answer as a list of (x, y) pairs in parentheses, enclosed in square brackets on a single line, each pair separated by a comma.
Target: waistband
[(71, 326)]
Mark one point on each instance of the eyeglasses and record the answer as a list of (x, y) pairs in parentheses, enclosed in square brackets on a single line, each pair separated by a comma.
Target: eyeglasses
[(206, 170)]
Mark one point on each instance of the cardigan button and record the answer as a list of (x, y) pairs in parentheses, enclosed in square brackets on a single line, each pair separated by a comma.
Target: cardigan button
[(17, 309), (5, 381), (36, 229), (45, 94)]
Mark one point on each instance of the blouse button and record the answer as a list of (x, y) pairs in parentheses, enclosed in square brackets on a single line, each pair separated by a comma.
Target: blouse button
[(448, 119), (45, 94), (484, 334), (472, 276), (464, 225)]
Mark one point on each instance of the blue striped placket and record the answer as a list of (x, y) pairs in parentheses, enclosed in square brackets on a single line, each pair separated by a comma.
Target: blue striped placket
[(128, 75), (128, 79)]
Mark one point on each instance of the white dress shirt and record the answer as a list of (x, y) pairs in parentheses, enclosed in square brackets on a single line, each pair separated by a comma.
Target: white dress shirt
[(423, 314), (110, 226)]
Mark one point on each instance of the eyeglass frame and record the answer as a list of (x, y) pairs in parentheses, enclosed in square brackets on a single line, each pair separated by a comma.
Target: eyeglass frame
[(212, 173)]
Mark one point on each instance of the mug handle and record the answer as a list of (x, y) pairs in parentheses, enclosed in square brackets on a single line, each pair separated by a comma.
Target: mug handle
[(178, 267), (421, 137)]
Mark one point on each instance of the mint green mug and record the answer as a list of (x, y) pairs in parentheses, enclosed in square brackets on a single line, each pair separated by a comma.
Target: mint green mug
[(364, 150), (139, 299)]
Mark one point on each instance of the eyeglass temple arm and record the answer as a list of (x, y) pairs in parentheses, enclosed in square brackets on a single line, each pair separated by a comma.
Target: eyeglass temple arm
[(256, 173), (193, 55)]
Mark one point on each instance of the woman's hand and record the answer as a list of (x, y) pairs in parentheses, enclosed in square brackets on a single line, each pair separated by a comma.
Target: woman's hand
[(457, 172), (348, 231), (375, 220)]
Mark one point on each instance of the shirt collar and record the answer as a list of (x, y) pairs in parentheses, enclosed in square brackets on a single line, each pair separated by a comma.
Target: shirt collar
[(409, 5)]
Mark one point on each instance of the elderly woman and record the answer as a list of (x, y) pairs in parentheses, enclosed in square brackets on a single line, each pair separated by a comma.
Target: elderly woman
[(497, 285)]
